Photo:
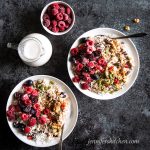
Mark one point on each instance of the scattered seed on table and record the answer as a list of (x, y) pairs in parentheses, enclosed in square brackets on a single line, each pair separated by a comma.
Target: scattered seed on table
[(127, 28), (136, 20)]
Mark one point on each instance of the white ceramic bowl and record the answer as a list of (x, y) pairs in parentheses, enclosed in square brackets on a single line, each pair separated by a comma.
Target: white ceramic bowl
[(58, 33), (69, 126), (131, 50)]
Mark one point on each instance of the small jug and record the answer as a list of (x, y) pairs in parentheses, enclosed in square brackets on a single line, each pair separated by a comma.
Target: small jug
[(34, 49)]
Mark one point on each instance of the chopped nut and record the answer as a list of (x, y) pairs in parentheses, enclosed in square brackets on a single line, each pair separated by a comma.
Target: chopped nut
[(127, 28), (136, 20)]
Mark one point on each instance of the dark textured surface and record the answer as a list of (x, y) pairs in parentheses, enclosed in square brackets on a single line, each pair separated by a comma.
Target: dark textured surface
[(126, 117)]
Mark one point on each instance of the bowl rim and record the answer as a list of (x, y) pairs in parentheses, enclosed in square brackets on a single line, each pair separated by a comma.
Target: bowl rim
[(17, 133), (96, 97), (57, 33)]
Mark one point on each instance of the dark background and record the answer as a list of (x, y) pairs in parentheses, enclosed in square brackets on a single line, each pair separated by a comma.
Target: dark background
[(126, 117)]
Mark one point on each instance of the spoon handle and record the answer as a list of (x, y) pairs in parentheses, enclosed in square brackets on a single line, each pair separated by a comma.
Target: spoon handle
[(132, 36)]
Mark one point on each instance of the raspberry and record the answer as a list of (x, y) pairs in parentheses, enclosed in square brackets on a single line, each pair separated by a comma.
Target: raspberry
[(24, 117), (92, 72), (62, 29), (65, 16), (91, 64), (30, 137), (25, 97), (36, 106), (102, 62), (89, 50), (126, 66), (59, 16), (54, 23), (116, 81), (27, 102), (55, 5), (76, 79), (87, 77), (79, 67), (74, 51), (84, 86), (61, 24), (69, 21), (100, 68), (46, 111), (55, 29), (46, 22), (67, 26), (38, 113), (42, 120), (34, 92), (45, 16), (68, 10), (54, 11), (10, 115), (89, 43), (28, 90), (111, 68), (85, 61), (32, 122), (27, 129), (11, 108), (62, 9)]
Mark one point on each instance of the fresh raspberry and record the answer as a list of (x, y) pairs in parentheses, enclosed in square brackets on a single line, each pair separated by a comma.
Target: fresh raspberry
[(102, 62), (92, 72), (27, 89), (12, 108), (55, 5), (10, 115), (59, 16), (85, 61), (54, 23), (32, 122), (79, 67), (111, 68), (45, 16), (27, 130), (91, 64), (76, 78), (24, 117), (61, 24), (38, 113), (46, 22), (100, 68), (87, 77), (116, 81), (69, 21), (89, 43), (89, 50), (36, 106), (62, 29), (84, 86), (68, 10), (67, 26), (35, 92), (62, 9), (27, 102), (65, 16), (126, 66), (55, 29), (74, 51), (25, 97), (54, 11), (46, 111), (42, 120), (30, 137)]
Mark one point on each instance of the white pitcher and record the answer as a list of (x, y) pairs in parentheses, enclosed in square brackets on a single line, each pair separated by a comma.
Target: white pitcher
[(34, 49)]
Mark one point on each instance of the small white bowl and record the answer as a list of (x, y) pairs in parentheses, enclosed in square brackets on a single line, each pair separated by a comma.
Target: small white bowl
[(58, 33)]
